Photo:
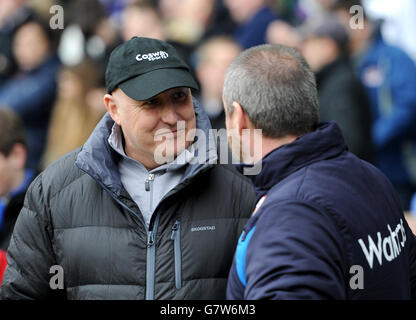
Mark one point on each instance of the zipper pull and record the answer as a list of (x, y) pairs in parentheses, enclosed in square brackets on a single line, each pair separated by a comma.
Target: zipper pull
[(175, 228), (151, 177), (150, 239)]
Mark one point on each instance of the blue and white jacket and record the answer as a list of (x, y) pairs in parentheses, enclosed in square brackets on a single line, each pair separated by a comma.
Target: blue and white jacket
[(329, 227), (389, 78)]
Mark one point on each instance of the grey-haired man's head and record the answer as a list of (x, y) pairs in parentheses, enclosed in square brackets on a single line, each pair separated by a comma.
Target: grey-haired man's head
[(276, 89)]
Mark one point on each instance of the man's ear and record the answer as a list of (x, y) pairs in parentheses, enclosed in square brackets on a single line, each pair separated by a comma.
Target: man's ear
[(112, 107), (238, 117)]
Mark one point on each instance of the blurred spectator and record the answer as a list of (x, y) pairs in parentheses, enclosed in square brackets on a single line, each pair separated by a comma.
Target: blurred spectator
[(312, 12), (220, 23), (299, 18), (14, 178), (253, 18), (280, 32), (389, 77), (191, 22), (187, 20), (142, 20), (212, 60), (341, 96), (13, 13), (289, 10), (169, 9), (399, 22), (74, 115), (88, 34), (114, 9), (42, 8), (32, 91), (326, 4)]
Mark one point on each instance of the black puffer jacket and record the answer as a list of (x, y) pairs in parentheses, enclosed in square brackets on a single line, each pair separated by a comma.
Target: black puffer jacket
[(78, 215)]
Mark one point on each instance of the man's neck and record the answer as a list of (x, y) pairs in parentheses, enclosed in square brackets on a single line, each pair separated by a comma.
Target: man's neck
[(148, 162)]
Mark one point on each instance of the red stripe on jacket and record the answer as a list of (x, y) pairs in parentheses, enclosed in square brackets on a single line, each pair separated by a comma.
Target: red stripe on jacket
[(3, 264)]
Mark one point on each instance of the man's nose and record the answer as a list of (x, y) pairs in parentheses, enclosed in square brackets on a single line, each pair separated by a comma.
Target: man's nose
[(169, 114)]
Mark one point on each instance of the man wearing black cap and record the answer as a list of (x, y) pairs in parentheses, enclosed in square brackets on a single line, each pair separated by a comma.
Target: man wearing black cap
[(132, 214)]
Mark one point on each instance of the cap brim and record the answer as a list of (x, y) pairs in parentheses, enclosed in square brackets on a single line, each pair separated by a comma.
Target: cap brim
[(154, 82)]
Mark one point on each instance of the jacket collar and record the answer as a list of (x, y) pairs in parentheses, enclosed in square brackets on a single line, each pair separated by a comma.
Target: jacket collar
[(324, 143), (99, 160)]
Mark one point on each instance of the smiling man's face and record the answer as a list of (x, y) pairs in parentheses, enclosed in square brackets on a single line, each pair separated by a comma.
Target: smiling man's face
[(145, 122)]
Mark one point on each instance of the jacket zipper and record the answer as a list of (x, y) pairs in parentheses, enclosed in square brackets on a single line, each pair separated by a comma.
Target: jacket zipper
[(176, 237), (151, 260), (151, 248), (151, 236)]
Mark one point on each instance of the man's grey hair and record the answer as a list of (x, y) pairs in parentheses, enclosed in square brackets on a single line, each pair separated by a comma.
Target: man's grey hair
[(276, 89)]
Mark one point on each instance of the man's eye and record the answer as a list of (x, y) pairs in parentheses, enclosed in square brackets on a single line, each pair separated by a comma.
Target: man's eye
[(179, 95), (150, 102)]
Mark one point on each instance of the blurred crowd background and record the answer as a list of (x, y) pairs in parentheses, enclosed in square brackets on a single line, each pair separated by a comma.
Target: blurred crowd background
[(53, 79)]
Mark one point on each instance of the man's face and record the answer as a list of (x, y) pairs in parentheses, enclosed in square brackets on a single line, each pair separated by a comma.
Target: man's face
[(11, 169), (319, 52), (211, 72), (30, 46), (145, 123), (5, 175), (141, 22)]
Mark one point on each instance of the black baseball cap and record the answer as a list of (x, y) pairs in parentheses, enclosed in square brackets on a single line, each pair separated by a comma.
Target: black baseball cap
[(145, 67)]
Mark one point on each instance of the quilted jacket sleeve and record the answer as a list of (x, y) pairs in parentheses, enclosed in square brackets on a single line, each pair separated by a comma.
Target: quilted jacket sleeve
[(30, 255)]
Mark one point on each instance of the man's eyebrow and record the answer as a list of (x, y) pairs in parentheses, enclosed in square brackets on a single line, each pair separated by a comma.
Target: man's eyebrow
[(143, 102), (139, 103)]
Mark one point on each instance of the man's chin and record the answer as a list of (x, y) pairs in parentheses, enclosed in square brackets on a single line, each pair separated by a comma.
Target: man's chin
[(167, 155)]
